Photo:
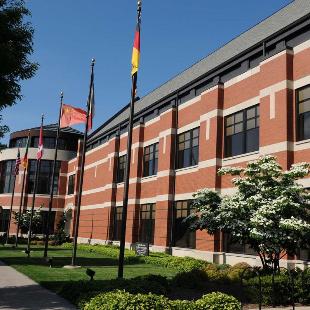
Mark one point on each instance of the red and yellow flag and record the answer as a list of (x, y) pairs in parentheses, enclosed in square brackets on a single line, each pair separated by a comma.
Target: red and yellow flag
[(136, 51), (25, 158), (71, 115)]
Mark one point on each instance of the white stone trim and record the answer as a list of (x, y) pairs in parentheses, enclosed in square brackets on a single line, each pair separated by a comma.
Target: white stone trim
[(184, 196), (239, 158), (189, 102), (165, 173), (97, 206), (188, 127), (241, 106), (284, 52), (301, 47), (147, 179), (167, 132), (276, 87), (302, 145), (152, 121), (187, 170), (210, 163), (150, 142), (242, 77), (302, 82), (275, 148), (305, 182)]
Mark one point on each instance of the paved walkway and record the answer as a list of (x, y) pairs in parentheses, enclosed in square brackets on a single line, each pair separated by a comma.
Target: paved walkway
[(18, 292)]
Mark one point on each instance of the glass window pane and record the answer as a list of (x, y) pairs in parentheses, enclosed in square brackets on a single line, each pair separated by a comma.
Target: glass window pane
[(304, 107), (250, 113), (252, 140), (181, 137), (250, 124), (238, 128), (237, 144), (238, 117), (195, 132), (229, 120), (230, 131), (304, 94)]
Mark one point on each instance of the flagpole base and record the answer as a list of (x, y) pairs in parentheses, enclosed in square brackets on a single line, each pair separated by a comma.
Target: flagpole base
[(72, 267)]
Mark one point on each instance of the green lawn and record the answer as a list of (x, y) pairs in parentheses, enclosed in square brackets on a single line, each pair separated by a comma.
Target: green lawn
[(37, 268)]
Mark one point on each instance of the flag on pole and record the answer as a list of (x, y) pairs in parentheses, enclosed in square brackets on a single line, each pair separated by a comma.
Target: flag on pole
[(25, 158), (40, 145), (71, 115), (136, 50), (17, 162), (91, 103)]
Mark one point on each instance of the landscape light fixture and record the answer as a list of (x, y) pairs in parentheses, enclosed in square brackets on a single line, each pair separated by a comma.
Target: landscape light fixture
[(49, 260), (91, 273)]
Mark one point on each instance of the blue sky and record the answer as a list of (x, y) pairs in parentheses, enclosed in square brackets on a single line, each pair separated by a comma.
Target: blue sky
[(174, 35)]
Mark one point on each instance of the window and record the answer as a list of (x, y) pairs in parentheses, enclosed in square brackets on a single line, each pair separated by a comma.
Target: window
[(7, 176), (40, 228), (19, 142), (147, 223), (45, 176), (71, 184), (121, 168), (118, 213), (303, 113), (4, 219), (188, 147), (150, 160), (183, 237), (242, 132), (231, 246)]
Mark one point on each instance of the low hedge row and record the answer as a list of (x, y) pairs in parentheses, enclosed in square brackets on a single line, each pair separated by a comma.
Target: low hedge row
[(119, 300), (179, 263)]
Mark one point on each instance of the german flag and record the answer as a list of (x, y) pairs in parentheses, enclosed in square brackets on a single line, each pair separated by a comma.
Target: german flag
[(136, 51)]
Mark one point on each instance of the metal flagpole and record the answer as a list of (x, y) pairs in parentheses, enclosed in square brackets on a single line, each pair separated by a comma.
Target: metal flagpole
[(127, 170), (34, 197), (50, 202), (11, 208), (20, 207), (78, 207), (21, 197)]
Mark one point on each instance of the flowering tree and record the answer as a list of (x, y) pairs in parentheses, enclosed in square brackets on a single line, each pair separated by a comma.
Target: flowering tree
[(269, 211), (25, 219)]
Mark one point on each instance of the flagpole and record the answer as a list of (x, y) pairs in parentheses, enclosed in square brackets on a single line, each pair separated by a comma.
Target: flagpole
[(50, 203), (11, 208), (80, 188), (34, 196), (22, 194), (20, 206), (127, 169)]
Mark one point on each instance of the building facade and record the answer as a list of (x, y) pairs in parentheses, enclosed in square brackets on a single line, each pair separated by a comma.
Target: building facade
[(247, 99), (68, 144)]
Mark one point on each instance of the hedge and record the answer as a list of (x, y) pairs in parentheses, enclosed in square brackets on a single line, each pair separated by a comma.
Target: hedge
[(121, 300), (168, 261)]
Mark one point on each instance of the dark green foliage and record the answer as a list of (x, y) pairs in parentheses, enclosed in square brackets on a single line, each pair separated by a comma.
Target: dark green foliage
[(60, 235), (124, 300), (192, 279), (16, 46)]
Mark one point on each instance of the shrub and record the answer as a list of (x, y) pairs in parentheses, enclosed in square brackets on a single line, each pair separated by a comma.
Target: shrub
[(214, 273), (192, 279), (123, 300), (217, 301), (120, 300), (239, 270)]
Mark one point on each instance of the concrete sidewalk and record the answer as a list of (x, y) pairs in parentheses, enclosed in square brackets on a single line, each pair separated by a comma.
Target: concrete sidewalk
[(18, 292)]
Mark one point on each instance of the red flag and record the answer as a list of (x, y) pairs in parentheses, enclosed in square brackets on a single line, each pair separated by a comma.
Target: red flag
[(71, 115), (40, 145)]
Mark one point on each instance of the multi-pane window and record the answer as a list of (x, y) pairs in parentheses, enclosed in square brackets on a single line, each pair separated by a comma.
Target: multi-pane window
[(150, 160), (121, 168), (303, 113), (4, 219), (147, 223), (230, 246), (71, 182), (242, 132), (117, 227), (188, 148), (45, 176), (183, 236), (7, 176)]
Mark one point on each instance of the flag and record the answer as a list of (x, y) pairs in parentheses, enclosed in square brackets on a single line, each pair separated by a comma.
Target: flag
[(136, 50), (71, 115), (40, 145), (91, 103), (17, 162), (25, 158)]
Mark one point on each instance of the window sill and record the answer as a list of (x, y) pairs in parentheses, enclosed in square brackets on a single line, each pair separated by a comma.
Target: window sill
[(240, 156), (302, 142), (149, 177), (190, 168)]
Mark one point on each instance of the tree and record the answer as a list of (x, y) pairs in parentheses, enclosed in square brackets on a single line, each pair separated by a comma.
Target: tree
[(25, 220), (270, 211), (16, 46)]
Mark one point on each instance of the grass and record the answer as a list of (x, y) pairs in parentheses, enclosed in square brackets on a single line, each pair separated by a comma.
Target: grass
[(105, 267)]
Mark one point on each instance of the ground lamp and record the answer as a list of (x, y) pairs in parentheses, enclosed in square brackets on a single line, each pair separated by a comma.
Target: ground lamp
[(90, 273)]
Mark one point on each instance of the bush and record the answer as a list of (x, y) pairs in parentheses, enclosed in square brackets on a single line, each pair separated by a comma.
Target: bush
[(120, 300), (217, 274), (217, 301), (123, 300), (239, 270), (192, 279)]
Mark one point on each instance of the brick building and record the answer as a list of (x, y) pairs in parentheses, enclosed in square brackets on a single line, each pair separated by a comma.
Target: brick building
[(249, 98)]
